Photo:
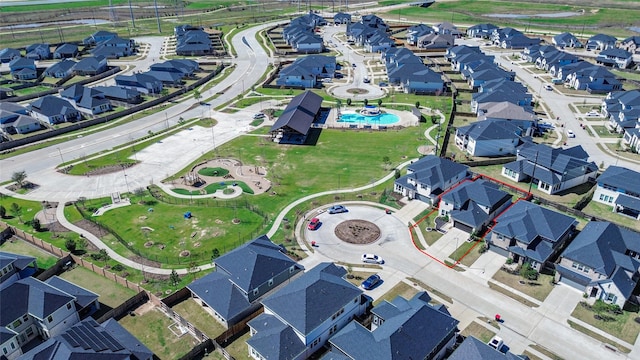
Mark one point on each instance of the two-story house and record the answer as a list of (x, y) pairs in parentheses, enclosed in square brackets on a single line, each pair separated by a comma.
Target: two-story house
[(619, 187), (615, 57), (243, 277), (299, 318), (14, 267), (53, 110), (429, 177), (530, 233)]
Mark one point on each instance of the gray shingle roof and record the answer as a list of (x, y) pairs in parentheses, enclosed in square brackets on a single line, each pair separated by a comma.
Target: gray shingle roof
[(312, 298), (621, 178), (83, 296), (51, 105), (432, 170), (474, 349), (274, 339), (526, 221), (32, 296), (299, 113), (491, 130), (19, 261), (217, 291)]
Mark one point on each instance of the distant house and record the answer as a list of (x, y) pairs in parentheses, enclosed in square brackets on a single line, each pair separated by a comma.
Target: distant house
[(482, 31), (603, 261), (66, 51), (91, 66), (566, 39), (98, 37), (601, 42), (8, 54), (293, 125), (500, 35), (429, 177), (519, 42), (489, 138), (168, 79), (14, 267), (114, 48), (521, 116), (552, 170), (141, 82), (342, 18), (594, 79), (631, 44), (20, 124), (415, 32), (73, 92), (185, 67), (620, 188), (93, 102), (447, 28), (53, 110), (400, 329), (193, 42), (61, 69), (619, 101), (88, 339), (378, 41), (472, 205), (473, 349), (307, 71), (38, 52), (33, 309), (243, 277), (121, 94), (615, 57), (435, 41), (530, 233), (5, 93), (23, 69), (299, 318)]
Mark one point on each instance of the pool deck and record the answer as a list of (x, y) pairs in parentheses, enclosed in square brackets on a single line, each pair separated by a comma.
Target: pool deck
[(406, 118)]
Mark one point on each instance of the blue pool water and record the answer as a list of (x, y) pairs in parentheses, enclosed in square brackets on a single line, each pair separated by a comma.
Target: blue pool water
[(381, 119)]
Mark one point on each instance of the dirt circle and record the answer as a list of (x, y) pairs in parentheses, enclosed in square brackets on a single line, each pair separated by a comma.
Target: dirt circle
[(185, 253), (357, 232), (357, 91)]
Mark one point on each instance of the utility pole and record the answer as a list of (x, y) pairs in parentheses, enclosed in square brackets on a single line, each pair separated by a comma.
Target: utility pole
[(535, 163), (155, 5), (133, 20)]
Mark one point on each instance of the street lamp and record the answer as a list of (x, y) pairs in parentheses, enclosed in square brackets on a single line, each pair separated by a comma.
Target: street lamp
[(125, 177), (61, 158)]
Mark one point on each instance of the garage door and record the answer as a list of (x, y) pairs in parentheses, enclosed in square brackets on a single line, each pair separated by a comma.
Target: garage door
[(571, 283), (463, 227)]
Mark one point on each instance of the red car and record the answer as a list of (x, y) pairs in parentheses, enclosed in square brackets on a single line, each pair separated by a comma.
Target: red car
[(314, 224)]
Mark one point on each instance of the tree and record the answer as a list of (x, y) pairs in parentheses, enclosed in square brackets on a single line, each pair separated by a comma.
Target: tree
[(527, 272), (338, 103), (3, 212), (418, 104), (397, 174), (197, 95), (174, 277), (16, 211), (366, 102), (35, 224), (19, 177), (348, 102), (216, 253), (70, 244), (379, 102)]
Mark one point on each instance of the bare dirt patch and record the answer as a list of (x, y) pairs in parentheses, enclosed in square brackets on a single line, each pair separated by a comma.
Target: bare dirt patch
[(357, 232)]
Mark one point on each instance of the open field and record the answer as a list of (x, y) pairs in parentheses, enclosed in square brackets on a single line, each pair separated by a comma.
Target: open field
[(538, 289), (111, 294), (43, 258), (621, 326)]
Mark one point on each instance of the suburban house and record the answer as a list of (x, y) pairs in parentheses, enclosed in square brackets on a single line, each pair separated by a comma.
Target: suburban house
[(615, 57), (472, 205), (88, 339), (400, 329), (631, 44), (168, 79), (601, 42), (594, 79), (499, 35), (300, 35), (566, 39), (114, 48), (141, 82), (447, 28), (521, 116), (15, 119), (482, 31), (23, 69), (460, 55), (342, 18), (38, 51), (120, 94), (299, 318), (98, 37), (603, 261), (90, 66), (73, 92), (473, 349), (429, 177), (551, 170), (33, 309), (14, 267), (307, 71), (378, 41), (242, 278), (530, 233), (61, 69), (620, 188), (93, 102), (293, 125), (8, 54), (407, 70), (415, 32), (620, 101), (191, 41), (519, 41), (53, 110), (185, 67), (435, 41), (489, 138), (5, 93), (500, 91), (65, 51)]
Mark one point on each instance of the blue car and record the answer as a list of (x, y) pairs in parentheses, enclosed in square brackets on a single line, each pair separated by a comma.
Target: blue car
[(337, 209), (371, 282)]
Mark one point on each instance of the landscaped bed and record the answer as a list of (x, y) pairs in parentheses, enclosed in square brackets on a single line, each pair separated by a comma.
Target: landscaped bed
[(538, 289), (620, 324)]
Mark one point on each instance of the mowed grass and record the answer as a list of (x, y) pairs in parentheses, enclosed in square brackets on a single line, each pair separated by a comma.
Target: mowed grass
[(537, 289), (622, 326), (152, 329), (478, 331), (605, 212), (43, 258), (111, 294), (401, 289), (202, 320)]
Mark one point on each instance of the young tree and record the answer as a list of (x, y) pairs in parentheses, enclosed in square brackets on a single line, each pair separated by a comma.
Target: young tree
[(349, 102), (418, 104), (527, 272), (70, 244), (379, 102), (16, 211), (35, 224), (3, 212), (19, 177), (197, 95), (174, 277), (366, 102)]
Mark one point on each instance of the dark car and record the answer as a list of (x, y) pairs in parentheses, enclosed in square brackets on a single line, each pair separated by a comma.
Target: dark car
[(337, 209), (371, 282), (314, 224)]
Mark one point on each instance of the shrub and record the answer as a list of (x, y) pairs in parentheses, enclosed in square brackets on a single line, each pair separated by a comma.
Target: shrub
[(70, 244), (117, 267)]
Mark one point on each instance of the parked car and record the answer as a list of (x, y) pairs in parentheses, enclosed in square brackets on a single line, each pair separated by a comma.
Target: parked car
[(353, 64), (548, 87), (593, 113), (496, 343), (571, 134), (337, 209), (314, 224), (258, 116), (371, 282), (383, 84), (366, 80), (372, 259)]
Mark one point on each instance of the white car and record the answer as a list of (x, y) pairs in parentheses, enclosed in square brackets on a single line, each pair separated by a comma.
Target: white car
[(372, 259), (548, 87), (593, 113), (496, 343), (571, 134)]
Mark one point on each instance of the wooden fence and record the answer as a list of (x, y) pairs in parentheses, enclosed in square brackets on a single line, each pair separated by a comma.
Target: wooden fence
[(126, 307)]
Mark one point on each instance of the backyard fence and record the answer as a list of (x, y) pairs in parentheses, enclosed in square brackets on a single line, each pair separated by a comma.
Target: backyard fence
[(125, 308), (58, 268), (447, 134)]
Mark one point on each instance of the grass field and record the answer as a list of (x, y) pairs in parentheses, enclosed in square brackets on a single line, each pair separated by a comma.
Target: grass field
[(111, 294), (478, 331), (401, 289), (621, 326), (538, 289), (197, 316), (43, 258)]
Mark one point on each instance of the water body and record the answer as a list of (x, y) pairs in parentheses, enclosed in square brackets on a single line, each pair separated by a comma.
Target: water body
[(66, 22), (34, 2), (523, 16)]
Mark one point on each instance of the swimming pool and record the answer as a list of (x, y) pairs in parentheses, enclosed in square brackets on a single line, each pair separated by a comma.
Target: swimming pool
[(381, 119)]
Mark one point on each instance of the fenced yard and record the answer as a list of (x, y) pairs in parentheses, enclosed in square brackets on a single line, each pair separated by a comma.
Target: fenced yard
[(111, 294)]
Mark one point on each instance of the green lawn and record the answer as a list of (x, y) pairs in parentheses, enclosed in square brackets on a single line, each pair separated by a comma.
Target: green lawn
[(216, 171), (621, 326), (152, 329), (537, 289), (401, 289), (212, 188), (43, 258), (478, 331), (429, 236), (202, 320), (111, 294), (606, 212), (470, 254), (602, 131), (238, 348), (598, 337)]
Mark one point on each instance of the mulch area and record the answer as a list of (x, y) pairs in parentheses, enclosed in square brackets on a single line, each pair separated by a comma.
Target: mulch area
[(357, 232)]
